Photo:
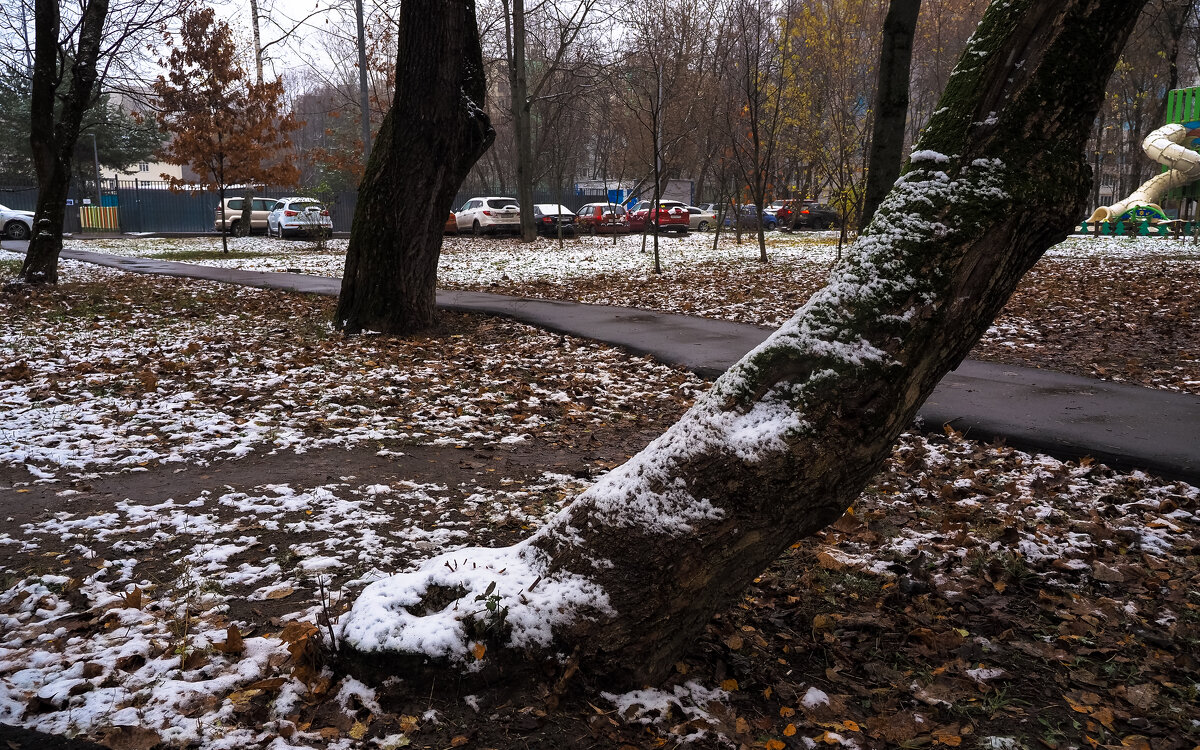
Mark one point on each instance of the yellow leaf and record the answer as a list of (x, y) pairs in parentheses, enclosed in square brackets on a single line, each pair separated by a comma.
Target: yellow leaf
[(729, 685), (1078, 707), (681, 667), (358, 731), (479, 650), (999, 586), (947, 736), (775, 745), (409, 724), (459, 741), (281, 593), (850, 726), (789, 730), (822, 622), (767, 693), (786, 711), (741, 725)]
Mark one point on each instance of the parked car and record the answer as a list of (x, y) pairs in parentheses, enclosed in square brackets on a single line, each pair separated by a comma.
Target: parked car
[(451, 225), (671, 216), (230, 220), (602, 218), (303, 217), (17, 225), (807, 215), (490, 214), (548, 217), (748, 217), (700, 220)]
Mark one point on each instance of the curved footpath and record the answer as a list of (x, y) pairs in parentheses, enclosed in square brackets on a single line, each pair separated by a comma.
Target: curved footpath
[(1065, 416)]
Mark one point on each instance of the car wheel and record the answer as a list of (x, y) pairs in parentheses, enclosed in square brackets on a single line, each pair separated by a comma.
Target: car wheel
[(476, 229), (16, 230), (702, 226), (234, 226), (771, 226)]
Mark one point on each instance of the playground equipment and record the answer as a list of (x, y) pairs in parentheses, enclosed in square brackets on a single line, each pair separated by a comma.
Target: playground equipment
[(1183, 168), (1171, 146)]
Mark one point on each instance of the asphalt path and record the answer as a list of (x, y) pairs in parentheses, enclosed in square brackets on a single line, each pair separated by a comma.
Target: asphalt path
[(1031, 409)]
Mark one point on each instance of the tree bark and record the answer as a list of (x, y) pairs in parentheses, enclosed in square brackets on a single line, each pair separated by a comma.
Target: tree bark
[(624, 578), (434, 132), (519, 83), (53, 141), (891, 103)]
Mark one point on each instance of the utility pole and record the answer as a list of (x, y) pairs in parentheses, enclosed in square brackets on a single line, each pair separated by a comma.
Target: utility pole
[(364, 98)]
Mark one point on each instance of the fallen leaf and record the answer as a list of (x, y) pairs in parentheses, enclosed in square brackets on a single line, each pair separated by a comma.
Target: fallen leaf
[(789, 730), (280, 593), (479, 650), (729, 685), (233, 641)]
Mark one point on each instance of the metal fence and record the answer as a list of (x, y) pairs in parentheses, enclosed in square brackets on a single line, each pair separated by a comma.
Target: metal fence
[(148, 206)]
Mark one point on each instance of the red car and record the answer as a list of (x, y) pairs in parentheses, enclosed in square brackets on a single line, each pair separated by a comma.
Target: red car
[(451, 225), (602, 218), (671, 216)]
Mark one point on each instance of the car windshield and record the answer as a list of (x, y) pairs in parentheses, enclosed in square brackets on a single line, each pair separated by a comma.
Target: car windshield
[(304, 206), (501, 202)]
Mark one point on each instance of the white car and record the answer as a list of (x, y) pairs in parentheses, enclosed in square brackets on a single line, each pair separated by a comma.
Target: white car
[(700, 219), (491, 214), (303, 217), (16, 225)]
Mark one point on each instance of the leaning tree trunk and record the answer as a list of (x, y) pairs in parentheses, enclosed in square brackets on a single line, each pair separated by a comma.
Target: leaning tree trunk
[(891, 104), (430, 138), (53, 141), (623, 579)]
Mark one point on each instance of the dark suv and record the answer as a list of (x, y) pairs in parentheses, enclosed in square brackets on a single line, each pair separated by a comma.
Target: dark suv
[(807, 215)]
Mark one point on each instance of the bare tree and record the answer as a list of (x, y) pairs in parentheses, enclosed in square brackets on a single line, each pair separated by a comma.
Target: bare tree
[(76, 50), (755, 78)]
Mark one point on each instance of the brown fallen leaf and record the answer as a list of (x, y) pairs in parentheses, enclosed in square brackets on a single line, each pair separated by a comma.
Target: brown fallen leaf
[(233, 641), (280, 593)]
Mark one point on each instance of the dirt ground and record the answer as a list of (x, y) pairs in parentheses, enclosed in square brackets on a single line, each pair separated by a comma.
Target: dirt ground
[(975, 596)]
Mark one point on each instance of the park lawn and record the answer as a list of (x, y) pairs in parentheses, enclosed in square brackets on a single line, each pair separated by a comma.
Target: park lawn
[(1119, 309), (198, 478)]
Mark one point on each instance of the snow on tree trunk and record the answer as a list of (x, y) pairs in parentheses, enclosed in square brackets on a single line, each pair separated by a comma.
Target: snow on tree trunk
[(433, 134), (623, 579)]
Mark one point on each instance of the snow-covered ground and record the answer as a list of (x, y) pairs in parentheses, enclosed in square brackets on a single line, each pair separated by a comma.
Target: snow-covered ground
[(120, 617)]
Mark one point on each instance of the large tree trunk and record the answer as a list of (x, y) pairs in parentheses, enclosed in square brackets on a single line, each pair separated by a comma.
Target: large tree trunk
[(891, 103), (53, 142), (433, 134), (623, 579)]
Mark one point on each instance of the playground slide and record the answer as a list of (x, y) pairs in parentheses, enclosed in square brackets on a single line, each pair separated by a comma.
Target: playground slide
[(1163, 146)]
